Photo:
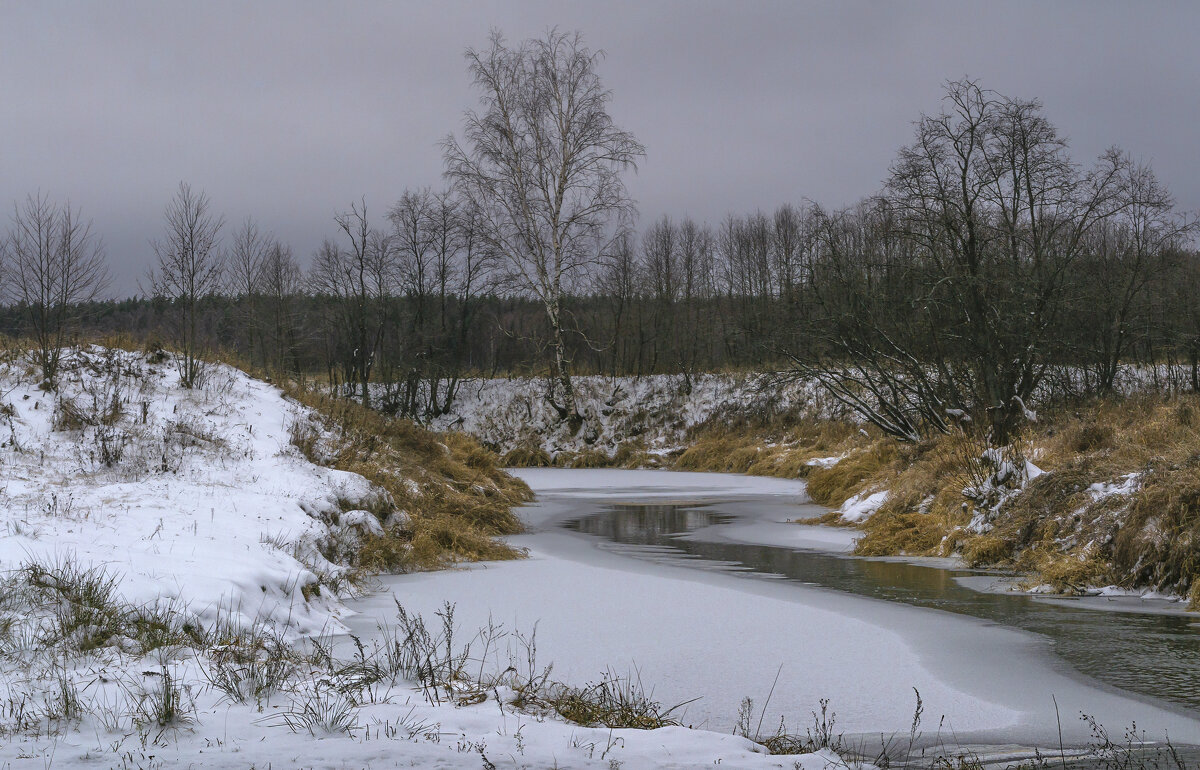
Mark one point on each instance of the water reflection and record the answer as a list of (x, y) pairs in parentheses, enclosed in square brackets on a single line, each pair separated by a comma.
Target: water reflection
[(1156, 655)]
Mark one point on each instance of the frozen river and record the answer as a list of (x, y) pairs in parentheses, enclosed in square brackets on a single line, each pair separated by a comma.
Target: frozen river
[(695, 584)]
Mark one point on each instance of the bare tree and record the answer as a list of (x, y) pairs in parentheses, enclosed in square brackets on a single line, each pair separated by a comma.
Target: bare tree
[(442, 266), (415, 237), (542, 164), (247, 255), (660, 257), (280, 283), (190, 269), (244, 266), (55, 264), (945, 298), (359, 279), (1123, 256), (696, 286)]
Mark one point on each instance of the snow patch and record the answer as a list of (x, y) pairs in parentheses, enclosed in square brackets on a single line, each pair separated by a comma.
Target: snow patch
[(862, 506), (825, 462), (1124, 486)]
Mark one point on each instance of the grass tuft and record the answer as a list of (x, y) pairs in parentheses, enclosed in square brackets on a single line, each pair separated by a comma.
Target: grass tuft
[(616, 702)]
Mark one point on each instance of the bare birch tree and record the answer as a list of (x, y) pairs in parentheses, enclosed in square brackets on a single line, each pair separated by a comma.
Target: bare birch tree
[(55, 264), (190, 268), (542, 163)]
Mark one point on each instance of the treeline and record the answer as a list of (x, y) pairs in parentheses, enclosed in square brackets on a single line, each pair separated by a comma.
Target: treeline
[(991, 272), (754, 292)]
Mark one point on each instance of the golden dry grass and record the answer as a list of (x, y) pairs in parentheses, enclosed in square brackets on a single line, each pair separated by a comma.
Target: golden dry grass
[(1121, 435), (1159, 545), (457, 499), (527, 457), (1057, 529), (858, 471), (781, 446)]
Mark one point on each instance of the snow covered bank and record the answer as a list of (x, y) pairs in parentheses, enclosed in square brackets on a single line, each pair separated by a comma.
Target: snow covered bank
[(196, 497), (653, 412)]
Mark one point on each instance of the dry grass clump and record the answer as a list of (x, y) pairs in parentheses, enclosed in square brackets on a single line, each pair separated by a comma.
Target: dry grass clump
[(903, 533), (527, 457), (986, 549), (1159, 545), (834, 485), (780, 445), (1064, 572), (721, 453), (633, 454), (455, 498), (925, 508), (615, 702)]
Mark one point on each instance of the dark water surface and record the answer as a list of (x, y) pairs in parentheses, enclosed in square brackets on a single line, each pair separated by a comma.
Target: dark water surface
[(1155, 655)]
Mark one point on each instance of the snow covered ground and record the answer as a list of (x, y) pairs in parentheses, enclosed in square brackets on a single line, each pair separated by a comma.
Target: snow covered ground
[(191, 496), (210, 524), (133, 510)]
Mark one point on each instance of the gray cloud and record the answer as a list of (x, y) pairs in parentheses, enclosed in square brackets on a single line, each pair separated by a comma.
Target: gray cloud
[(288, 111)]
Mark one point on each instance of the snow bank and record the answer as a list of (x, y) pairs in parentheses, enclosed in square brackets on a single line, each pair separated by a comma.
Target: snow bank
[(654, 410), (194, 496), (862, 506)]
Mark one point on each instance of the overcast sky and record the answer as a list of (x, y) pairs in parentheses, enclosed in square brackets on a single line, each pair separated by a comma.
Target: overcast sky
[(288, 111)]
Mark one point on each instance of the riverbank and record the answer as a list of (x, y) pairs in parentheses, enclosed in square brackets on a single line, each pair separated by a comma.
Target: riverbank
[(1100, 500), (1097, 497)]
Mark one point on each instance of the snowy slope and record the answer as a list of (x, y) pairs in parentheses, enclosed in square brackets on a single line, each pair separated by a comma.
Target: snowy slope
[(655, 411), (174, 490)]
